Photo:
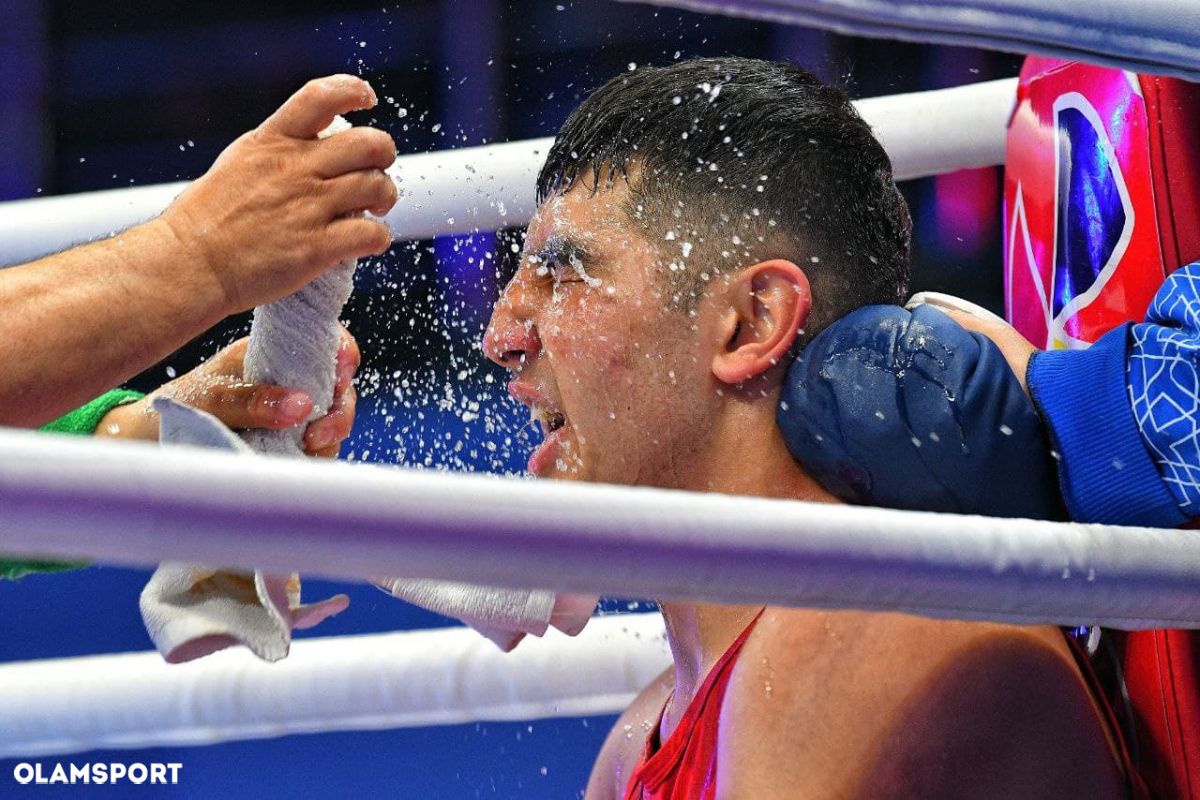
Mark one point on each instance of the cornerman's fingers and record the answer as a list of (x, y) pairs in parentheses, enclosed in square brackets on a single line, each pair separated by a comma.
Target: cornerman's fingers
[(357, 237), (348, 359), (241, 405), (354, 150), (366, 190), (311, 110), (324, 437)]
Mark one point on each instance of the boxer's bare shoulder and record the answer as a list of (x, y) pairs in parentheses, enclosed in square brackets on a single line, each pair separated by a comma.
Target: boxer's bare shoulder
[(888, 705), (623, 747)]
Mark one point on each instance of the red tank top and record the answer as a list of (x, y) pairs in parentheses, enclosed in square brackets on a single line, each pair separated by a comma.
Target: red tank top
[(1135, 787), (685, 767)]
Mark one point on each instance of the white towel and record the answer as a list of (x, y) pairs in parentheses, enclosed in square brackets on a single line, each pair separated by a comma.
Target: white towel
[(294, 343), (505, 616), (949, 302), (191, 610)]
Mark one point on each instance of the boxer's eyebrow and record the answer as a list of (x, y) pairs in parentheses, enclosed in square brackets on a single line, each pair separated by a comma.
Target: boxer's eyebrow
[(562, 248)]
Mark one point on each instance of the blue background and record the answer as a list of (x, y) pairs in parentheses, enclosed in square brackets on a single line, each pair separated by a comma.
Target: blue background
[(97, 96)]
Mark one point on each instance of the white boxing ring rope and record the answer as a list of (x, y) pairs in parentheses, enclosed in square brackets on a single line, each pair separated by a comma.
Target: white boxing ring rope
[(136, 504), (1161, 37), (450, 676), (490, 187)]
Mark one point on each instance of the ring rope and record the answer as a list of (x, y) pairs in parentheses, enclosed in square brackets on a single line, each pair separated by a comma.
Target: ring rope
[(136, 504), (1154, 36), (411, 679), (490, 187)]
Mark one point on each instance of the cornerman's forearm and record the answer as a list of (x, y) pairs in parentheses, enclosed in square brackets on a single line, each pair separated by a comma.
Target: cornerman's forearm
[(81, 322)]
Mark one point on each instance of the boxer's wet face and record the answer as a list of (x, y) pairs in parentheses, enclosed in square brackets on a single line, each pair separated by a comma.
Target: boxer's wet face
[(615, 375)]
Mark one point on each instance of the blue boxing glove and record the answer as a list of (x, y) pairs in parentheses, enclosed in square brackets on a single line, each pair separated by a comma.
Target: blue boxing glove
[(901, 409)]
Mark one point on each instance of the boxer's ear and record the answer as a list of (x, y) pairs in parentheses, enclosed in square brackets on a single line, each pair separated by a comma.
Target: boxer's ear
[(764, 308)]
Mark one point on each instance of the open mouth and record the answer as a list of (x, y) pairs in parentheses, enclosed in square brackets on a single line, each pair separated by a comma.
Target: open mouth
[(555, 448), (551, 421), (552, 451)]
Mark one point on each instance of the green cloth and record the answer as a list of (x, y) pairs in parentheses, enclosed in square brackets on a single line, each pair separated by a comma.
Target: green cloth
[(80, 422), (11, 570), (84, 420)]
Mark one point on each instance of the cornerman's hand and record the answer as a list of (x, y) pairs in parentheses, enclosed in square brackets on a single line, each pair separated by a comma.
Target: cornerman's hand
[(1015, 348), (217, 386), (280, 207)]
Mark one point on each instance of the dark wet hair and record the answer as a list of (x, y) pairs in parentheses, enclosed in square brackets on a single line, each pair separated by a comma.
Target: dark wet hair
[(745, 159)]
